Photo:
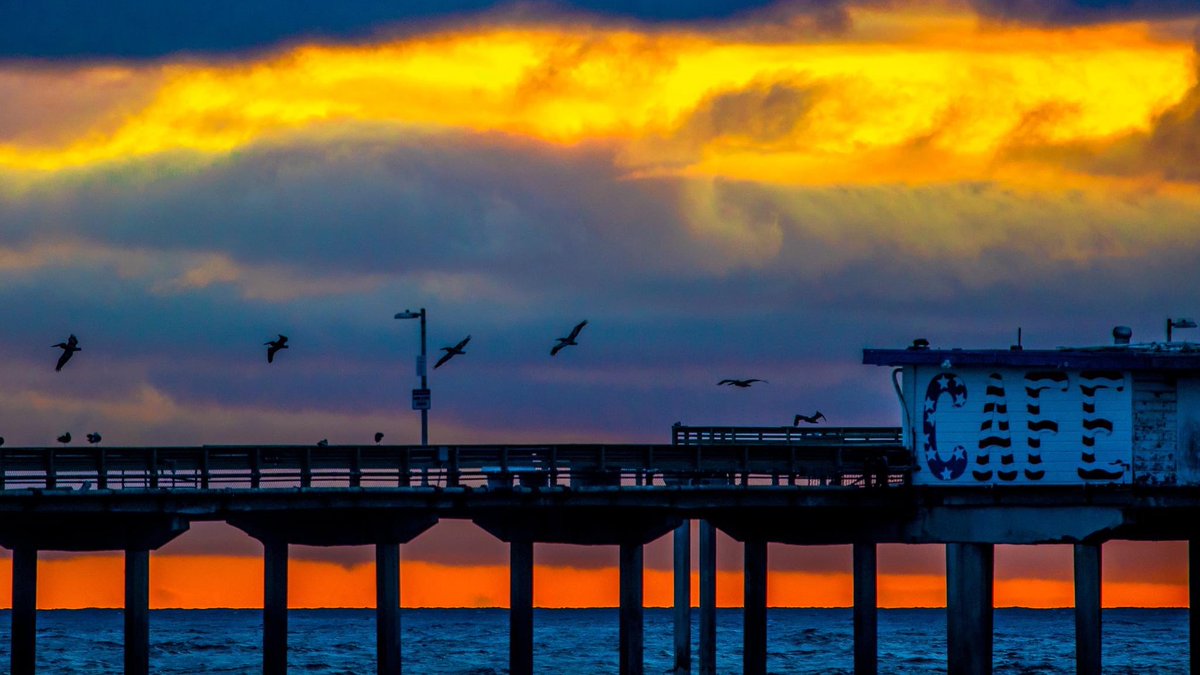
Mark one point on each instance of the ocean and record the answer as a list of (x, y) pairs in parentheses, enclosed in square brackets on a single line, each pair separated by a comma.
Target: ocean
[(475, 641)]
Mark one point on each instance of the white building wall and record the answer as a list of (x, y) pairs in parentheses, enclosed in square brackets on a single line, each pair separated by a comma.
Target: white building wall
[(978, 426)]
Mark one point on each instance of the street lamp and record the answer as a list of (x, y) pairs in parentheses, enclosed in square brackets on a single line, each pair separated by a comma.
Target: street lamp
[(420, 397), (1178, 323)]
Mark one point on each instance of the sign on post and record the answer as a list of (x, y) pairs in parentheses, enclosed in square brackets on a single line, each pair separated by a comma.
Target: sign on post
[(420, 399)]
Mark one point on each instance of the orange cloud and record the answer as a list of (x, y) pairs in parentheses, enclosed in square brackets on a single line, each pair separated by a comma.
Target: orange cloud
[(907, 95)]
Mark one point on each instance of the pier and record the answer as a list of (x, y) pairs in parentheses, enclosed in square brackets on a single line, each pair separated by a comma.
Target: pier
[(759, 485)]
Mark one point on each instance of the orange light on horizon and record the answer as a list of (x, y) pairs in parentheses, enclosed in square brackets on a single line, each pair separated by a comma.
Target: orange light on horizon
[(206, 582)]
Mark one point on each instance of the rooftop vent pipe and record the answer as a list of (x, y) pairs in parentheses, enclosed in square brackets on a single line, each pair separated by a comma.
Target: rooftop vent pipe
[(1122, 334)]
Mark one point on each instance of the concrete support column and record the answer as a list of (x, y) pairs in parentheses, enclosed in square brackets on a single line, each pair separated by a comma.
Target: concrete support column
[(1194, 604), (275, 586), (866, 613), (969, 576), (631, 609), (1087, 609), (683, 598), (24, 610), (137, 612), (754, 626), (387, 608), (708, 598), (520, 612)]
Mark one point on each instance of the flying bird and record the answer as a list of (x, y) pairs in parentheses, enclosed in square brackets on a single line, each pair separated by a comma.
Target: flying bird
[(65, 438), (740, 384), (274, 346), (323, 443), (93, 438), (569, 340), (378, 437), (69, 347), (451, 352), (811, 419)]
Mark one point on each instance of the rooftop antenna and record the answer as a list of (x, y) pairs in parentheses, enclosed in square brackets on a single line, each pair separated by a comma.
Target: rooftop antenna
[(1180, 322)]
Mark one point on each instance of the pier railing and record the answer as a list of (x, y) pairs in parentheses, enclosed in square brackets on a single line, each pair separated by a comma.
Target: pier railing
[(818, 436), (848, 460)]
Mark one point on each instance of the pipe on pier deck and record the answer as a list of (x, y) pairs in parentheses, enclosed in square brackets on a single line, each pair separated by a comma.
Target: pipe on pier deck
[(683, 598), (1087, 609), (24, 610), (631, 637), (520, 604), (708, 598), (275, 596), (754, 628), (137, 612), (969, 579), (866, 613), (387, 608)]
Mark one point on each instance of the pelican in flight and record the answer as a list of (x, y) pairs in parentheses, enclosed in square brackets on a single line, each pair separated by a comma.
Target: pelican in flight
[(274, 346), (569, 340), (451, 352), (93, 437), (69, 347), (811, 419), (740, 384), (65, 438)]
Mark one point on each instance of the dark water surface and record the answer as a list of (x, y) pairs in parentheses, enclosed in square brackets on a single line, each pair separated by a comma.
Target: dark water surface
[(475, 641)]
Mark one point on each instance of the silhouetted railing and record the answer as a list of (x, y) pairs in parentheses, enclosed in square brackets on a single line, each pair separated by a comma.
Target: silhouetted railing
[(822, 436), (804, 462)]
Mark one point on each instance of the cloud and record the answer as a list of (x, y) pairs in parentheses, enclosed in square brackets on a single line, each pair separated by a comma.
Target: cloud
[(1079, 12)]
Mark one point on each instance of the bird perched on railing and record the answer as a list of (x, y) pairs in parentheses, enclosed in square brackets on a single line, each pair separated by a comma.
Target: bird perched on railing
[(93, 437), (811, 419), (1, 440), (378, 437), (741, 384), (65, 438), (451, 352), (274, 346), (69, 348), (323, 443), (569, 340)]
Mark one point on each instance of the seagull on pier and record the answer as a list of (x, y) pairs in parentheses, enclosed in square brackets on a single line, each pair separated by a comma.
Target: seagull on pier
[(811, 419), (93, 437), (740, 384), (451, 352), (274, 346), (65, 438), (378, 437), (323, 443), (69, 348), (569, 340)]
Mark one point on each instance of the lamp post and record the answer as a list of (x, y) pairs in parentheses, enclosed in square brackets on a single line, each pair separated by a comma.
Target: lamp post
[(1179, 323), (420, 396)]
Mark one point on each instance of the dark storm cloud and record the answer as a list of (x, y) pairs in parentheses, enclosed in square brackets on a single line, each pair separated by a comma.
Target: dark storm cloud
[(1074, 12), (132, 28)]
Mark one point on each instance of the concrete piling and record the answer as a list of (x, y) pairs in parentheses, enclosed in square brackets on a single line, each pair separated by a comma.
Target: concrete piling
[(683, 598), (137, 612), (754, 628), (387, 608), (708, 598), (520, 612), (1087, 609), (275, 585), (631, 610), (969, 577), (24, 610), (866, 613)]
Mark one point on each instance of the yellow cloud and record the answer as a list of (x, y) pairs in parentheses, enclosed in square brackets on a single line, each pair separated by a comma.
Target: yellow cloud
[(905, 96)]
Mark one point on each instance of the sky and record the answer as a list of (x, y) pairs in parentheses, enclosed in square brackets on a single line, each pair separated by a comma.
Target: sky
[(722, 189)]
